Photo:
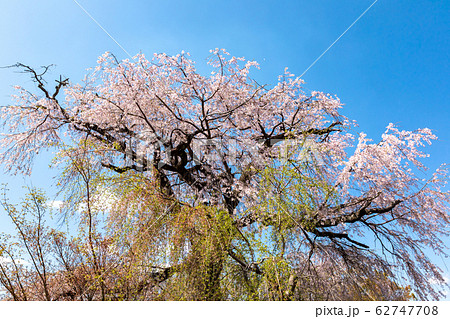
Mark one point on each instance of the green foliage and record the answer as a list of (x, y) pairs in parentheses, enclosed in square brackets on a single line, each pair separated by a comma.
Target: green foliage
[(150, 246)]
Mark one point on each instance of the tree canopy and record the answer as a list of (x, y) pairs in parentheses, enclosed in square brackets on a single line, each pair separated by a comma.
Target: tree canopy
[(194, 187)]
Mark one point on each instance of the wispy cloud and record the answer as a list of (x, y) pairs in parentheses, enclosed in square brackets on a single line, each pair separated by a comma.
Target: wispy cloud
[(6, 261), (57, 204), (434, 281)]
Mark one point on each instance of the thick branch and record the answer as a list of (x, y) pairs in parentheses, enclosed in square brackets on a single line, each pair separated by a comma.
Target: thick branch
[(332, 235), (270, 140), (357, 215), (124, 169)]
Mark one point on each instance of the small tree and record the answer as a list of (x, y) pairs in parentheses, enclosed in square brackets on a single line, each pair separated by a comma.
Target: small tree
[(228, 189)]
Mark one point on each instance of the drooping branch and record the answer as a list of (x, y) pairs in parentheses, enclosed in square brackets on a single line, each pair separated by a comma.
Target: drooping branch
[(270, 139), (357, 215), (332, 235)]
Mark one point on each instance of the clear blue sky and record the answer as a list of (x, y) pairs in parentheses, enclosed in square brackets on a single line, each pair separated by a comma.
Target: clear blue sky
[(392, 66)]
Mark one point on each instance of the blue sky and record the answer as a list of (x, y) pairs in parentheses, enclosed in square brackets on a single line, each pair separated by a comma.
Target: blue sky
[(392, 66)]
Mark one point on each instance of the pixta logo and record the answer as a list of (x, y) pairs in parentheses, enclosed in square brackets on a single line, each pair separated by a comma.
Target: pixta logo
[(147, 147)]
